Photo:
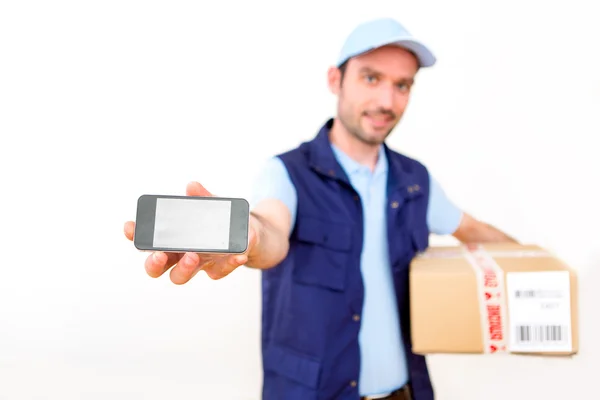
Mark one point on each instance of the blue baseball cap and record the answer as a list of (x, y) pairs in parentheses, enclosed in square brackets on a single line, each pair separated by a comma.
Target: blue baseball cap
[(380, 32)]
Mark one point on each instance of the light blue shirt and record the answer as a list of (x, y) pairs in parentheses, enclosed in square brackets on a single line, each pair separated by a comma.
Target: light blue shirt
[(383, 360)]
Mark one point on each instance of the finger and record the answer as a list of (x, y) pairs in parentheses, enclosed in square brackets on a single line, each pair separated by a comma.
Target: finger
[(158, 262), (196, 189), (187, 267), (129, 229), (225, 266)]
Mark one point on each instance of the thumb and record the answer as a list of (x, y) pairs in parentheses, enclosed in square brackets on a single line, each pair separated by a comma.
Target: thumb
[(196, 189)]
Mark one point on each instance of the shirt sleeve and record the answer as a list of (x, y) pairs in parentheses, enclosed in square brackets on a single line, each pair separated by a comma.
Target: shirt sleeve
[(443, 216), (273, 182)]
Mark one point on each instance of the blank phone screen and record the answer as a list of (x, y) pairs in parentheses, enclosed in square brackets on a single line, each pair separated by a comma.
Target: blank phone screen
[(187, 223)]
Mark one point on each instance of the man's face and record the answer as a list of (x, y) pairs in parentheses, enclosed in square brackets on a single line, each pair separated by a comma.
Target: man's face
[(374, 91)]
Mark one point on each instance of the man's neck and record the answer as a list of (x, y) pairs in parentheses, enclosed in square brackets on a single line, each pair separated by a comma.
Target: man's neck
[(363, 153)]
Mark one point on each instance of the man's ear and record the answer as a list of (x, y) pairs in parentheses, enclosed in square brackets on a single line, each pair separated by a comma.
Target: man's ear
[(334, 78)]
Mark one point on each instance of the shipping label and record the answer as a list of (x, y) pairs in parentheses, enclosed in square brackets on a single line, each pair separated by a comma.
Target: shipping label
[(539, 306)]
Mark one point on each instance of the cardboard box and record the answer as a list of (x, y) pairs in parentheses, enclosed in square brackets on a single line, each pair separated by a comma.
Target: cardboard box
[(493, 298)]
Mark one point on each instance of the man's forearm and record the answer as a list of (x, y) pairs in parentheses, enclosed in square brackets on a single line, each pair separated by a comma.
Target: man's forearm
[(472, 231), (271, 244), (489, 233)]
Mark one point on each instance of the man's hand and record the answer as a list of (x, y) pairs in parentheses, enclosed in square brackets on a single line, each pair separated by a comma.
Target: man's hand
[(187, 265)]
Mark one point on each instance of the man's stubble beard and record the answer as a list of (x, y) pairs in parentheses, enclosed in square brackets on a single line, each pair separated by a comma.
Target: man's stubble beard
[(355, 129)]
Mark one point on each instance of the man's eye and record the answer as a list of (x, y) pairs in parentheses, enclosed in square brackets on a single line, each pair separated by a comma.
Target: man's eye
[(404, 86), (370, 79)]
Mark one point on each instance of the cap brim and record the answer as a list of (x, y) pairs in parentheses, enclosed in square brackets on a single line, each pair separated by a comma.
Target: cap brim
[(423, 54)]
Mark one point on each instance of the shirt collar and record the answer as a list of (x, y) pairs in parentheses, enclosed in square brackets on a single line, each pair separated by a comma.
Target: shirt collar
[(352, 166), (322, 159)]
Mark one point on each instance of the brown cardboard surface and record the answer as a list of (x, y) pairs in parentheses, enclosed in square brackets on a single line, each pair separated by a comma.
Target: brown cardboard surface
[(445, 300)]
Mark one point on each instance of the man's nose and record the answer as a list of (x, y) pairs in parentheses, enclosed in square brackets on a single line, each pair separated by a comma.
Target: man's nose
[(385, 96)]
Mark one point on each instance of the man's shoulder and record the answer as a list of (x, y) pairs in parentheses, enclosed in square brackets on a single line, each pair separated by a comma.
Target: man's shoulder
[(294, 155), (408, 163)]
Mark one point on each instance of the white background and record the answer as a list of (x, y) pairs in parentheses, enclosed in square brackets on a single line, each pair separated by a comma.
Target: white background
[(103, 101)]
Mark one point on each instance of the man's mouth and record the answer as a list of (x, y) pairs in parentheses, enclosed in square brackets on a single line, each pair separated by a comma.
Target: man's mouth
[(379, 120)]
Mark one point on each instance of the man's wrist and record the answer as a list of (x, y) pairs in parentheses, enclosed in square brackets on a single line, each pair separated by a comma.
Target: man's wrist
[(255, 233)]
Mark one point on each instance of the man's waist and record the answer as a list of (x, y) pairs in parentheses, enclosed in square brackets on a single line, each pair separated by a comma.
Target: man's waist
[(404, 393)]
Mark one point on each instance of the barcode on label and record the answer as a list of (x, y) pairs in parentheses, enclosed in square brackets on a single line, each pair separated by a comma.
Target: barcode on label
[(541, 333), (538, 294)]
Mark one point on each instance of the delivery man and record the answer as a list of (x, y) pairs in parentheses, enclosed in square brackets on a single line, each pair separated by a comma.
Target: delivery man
[(334, 226)]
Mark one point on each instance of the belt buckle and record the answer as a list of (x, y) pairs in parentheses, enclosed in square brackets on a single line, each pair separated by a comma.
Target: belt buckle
[(379, 396), (404, 391)]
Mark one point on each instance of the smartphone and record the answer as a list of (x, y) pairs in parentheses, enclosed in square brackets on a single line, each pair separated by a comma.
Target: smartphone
[(180, 224)]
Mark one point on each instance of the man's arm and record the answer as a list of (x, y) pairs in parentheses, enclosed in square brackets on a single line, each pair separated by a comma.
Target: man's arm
[(444, 217), (471, 230), (271, 221), (274, 202)]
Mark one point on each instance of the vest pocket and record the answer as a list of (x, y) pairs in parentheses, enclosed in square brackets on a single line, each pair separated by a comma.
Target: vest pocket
[(420, 239), (283, 363), (409, 243), (332, 235), (322, 252)]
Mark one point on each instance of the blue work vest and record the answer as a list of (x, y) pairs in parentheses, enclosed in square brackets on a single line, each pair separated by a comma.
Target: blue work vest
[(312, 300)]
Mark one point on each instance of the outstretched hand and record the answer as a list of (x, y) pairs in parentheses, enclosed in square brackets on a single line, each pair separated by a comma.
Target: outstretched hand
[(186, 265)]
